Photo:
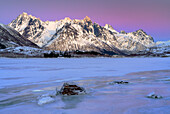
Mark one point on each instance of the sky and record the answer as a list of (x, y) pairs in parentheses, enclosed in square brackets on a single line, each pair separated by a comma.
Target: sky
[(153, 16)]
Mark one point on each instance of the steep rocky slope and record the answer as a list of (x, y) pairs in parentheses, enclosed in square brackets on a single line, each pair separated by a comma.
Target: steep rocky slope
[(11, 38)]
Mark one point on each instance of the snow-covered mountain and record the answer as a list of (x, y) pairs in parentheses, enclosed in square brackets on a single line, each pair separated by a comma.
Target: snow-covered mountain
[(84, 35), (11, 38), (163, 43), (161, 47)]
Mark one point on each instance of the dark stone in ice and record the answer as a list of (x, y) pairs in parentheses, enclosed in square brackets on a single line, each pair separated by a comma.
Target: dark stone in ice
[(71, 88), (118, 82), (154, 96)]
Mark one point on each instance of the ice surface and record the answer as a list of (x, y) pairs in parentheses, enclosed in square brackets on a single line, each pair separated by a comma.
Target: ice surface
[(62, 69), (45, 100), (24, 80), (150, 94)]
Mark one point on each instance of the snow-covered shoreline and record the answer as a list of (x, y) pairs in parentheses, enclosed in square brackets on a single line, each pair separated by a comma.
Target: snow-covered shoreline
[(161, 49)]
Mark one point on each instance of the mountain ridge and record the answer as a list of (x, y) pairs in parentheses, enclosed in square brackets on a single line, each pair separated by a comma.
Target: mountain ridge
[(84, 35), (11, 38)]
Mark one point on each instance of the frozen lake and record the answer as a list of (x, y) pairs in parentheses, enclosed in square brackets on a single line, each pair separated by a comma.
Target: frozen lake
[(23, 80), (28, 71)]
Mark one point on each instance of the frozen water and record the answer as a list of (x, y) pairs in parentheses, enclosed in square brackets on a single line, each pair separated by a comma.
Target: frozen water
[(22, 81), (28, 71), (45, 100)]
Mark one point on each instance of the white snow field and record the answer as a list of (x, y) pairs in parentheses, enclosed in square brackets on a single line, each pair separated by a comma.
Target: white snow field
[(22, 81)]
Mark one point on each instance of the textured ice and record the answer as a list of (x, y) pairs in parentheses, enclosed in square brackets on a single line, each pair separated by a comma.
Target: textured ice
[(21, 77), (45, 100)]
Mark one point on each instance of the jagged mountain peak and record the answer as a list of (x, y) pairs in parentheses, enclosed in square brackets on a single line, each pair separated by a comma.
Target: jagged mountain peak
[(23, 20), (141, 30), (87, 19), (67, 19), (109, 27), (143, 34), (22, 16), (26, 15)]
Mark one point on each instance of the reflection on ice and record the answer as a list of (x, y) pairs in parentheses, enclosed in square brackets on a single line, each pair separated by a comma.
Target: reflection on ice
[(71, 101)]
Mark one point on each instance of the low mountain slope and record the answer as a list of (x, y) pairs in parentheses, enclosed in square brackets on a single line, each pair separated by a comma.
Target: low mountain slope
[(11, 38)]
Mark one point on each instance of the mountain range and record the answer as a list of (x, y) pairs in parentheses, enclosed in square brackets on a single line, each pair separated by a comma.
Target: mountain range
[(74, 35), (84, 35)]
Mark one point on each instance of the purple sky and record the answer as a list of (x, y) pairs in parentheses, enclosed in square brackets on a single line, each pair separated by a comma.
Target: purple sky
[(153, 16)]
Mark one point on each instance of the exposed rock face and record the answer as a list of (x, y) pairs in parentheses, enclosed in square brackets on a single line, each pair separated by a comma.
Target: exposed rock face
[(11, 38), (109, 27), (69, 38), (28, 26), (83, 35), (87, 19), (71, 89)]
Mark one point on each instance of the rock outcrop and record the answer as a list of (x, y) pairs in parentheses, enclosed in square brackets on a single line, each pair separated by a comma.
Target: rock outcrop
[(71, 88)]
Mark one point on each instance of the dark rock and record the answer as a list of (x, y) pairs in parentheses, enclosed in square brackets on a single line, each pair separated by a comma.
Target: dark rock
[(87, 52), (71, 88), (97, 30), (2, 46), (118, 82), (51, 55), (154, 96)]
